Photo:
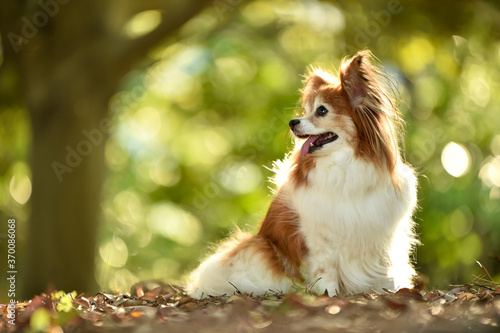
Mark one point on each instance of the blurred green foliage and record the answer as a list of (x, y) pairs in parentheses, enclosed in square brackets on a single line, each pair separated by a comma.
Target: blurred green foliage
[(198, 122)]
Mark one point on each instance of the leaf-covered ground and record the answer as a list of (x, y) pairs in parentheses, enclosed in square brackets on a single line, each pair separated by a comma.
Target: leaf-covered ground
[(154, 307)]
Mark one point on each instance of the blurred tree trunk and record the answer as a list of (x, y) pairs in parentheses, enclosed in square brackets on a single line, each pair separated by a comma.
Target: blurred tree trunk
[(70, 56)]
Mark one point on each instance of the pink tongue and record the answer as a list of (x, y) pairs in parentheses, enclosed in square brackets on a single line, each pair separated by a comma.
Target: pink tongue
[(305, 147)]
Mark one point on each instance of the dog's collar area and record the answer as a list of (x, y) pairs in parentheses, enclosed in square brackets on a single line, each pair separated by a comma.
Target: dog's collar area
[(314, 142)]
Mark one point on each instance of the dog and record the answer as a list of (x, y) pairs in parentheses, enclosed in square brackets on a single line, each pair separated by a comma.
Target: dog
[(341, 221)]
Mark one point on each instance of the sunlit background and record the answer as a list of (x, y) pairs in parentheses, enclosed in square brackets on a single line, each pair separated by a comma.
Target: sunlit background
[(196, 125)]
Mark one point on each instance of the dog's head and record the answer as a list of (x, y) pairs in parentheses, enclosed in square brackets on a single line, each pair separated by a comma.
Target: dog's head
[(353, 111)]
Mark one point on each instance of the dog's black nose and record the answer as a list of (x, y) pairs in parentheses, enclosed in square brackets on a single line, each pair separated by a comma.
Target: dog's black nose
[(293, 123)]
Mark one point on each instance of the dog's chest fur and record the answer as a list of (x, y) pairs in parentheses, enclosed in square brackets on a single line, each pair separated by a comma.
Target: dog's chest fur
[(349, 213)]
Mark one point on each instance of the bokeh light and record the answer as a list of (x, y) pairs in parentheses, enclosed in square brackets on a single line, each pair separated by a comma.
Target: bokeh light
[(461, 221), (114, 252), (20, 185), (142, 23), (490, 172), (175, 223), (456, 159)]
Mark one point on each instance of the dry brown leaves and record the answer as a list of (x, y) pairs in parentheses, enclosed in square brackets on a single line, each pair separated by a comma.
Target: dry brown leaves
[(154, 307)]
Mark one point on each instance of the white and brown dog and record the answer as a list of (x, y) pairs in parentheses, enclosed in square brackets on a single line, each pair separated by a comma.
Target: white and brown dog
[(341, 221)]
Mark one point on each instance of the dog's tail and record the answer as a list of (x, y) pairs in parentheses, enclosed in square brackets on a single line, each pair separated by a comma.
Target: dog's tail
[(240, 265)]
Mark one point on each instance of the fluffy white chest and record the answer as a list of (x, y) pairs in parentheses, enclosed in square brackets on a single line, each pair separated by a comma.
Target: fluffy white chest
[(349, 217), (345, 204)]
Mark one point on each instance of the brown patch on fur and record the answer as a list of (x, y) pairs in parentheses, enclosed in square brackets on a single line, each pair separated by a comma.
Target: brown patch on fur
[(301, 167), (279, 241), (334, 95), (258, 245)]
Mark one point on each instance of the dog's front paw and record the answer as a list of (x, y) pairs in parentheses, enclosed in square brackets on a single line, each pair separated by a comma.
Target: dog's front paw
[(325, 287)]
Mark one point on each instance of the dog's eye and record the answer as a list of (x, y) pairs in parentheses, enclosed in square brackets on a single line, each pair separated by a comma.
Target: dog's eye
[(321, 111)]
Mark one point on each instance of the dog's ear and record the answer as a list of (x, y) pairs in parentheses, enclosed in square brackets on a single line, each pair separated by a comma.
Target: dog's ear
[(355, 77), (375, 116)]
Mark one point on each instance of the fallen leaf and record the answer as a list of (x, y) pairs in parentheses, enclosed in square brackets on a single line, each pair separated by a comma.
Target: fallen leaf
[(410, 293), (467, 297)]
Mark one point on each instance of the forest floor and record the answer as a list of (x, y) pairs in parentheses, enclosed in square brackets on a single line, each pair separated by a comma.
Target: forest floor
[(155, 307)]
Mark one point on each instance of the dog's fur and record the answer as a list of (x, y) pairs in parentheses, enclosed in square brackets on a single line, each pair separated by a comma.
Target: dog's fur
[(341, 221)]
